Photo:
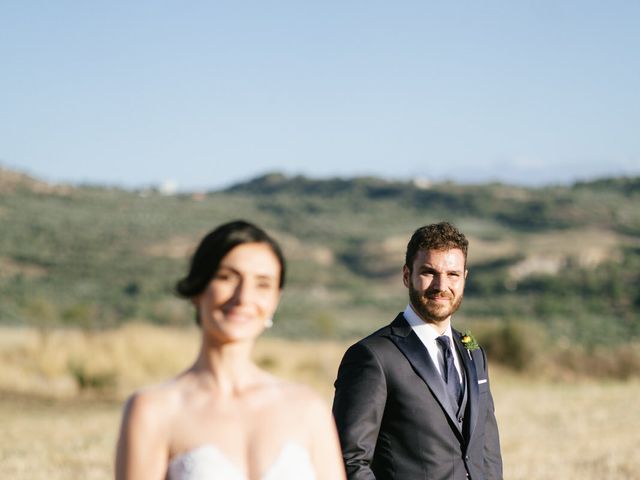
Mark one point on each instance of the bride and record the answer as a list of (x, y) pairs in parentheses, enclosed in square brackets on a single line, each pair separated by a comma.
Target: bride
[(224, 418)]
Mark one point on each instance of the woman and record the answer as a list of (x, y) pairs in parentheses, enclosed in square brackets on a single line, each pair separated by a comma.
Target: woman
[(224, 418)]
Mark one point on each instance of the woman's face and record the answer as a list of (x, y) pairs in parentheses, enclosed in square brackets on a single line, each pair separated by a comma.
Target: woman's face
[(242, 294)]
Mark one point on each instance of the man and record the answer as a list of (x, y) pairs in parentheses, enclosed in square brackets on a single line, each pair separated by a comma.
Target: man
[(412, 400)]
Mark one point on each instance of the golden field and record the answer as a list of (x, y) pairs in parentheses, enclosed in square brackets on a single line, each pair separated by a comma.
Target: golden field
[(54, 429)]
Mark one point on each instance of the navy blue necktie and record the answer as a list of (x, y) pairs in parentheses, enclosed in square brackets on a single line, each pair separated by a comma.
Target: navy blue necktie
[(450, 373)]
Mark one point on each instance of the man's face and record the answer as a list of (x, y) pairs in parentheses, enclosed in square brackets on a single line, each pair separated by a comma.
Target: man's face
[(436, 283)]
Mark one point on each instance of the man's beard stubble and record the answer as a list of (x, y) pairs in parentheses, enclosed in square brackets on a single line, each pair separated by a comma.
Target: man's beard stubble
[(429, 311)]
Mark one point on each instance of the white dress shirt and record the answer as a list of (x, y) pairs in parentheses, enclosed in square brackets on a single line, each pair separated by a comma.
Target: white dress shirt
[(427, 335)]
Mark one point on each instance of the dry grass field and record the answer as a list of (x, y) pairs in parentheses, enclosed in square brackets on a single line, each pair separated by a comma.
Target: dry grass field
[(54, 429)]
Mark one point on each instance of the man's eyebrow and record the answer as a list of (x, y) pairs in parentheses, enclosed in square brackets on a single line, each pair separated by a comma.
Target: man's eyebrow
[(429, 268)]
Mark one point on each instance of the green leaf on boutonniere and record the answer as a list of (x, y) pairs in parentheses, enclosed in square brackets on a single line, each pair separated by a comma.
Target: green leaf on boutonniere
[(469, 341)]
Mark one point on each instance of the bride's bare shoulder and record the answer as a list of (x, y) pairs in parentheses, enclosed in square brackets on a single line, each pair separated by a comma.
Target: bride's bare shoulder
[(300, 396), (300, 408)]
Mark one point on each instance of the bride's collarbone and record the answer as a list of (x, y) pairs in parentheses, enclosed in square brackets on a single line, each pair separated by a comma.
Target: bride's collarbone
[(269, 397)]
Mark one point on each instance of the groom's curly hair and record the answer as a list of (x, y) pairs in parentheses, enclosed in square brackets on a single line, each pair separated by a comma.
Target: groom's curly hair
[(437, 236)]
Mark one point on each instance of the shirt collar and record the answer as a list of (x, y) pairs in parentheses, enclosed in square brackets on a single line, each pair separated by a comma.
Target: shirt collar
[(419, 325)]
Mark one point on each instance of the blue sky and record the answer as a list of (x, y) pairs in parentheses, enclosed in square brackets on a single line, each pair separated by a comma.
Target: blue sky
[(205, 94)]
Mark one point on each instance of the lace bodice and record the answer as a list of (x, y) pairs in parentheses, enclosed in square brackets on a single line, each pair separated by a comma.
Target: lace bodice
[(207, 462)]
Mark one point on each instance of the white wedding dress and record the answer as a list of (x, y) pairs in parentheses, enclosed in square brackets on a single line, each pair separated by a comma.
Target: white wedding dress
[(207, 462)]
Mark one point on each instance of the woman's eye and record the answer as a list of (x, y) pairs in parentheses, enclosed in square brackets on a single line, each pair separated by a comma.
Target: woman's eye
[(224, 276)]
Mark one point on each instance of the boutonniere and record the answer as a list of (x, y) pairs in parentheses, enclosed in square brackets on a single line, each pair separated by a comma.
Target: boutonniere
[(469, 341)]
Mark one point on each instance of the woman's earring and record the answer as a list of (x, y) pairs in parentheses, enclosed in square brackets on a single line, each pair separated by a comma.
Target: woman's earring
[(268, 323)]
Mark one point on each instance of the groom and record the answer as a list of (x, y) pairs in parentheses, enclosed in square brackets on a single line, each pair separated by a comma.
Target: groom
[(412, 399)]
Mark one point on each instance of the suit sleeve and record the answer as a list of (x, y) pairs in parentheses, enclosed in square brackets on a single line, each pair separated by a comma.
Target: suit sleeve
[(492, 455), (358, 407)]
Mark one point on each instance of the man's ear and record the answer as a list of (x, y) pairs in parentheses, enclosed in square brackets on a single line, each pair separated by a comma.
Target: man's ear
[(466, 272), (406, 276)]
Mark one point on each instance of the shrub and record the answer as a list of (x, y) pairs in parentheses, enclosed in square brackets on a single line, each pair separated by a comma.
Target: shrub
[(89, 380), (518, 345)]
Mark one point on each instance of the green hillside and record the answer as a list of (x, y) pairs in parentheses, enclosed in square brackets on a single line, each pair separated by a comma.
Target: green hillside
[(563, 258)]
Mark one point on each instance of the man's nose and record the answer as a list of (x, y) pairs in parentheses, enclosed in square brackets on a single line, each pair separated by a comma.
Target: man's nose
[(439, 283)]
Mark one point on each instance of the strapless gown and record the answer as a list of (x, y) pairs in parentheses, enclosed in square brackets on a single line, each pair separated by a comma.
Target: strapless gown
[(207, 462)]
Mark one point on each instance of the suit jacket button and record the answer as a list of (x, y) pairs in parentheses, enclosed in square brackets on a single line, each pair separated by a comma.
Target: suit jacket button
[(460, 419)]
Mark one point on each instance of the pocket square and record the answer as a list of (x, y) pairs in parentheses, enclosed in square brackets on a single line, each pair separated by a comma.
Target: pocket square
[(480, 382)]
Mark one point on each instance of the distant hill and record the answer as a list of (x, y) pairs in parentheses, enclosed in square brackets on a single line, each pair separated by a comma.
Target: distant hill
[(563, 258)]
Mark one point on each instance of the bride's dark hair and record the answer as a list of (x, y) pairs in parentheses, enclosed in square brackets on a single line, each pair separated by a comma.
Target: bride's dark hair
[(213, 248)]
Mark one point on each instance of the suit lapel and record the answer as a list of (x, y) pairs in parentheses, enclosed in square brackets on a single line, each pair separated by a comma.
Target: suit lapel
[(403, 336), (472, 382)]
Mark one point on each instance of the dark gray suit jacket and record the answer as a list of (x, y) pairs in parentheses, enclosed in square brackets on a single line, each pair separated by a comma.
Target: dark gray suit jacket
[(396, 421)]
